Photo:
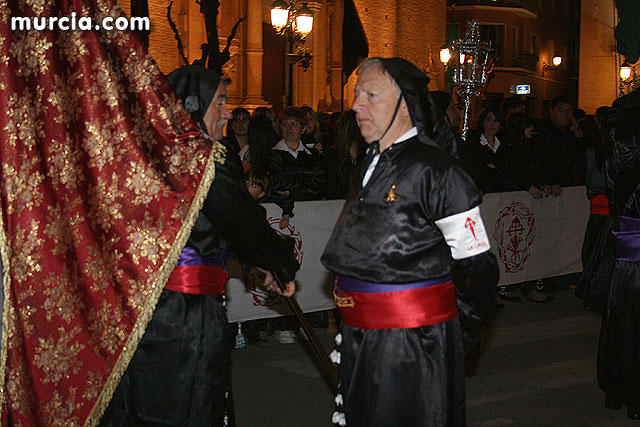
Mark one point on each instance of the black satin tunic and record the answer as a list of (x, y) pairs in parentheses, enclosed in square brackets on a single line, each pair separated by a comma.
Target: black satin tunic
[(180, 373), (384, 241), (409, 377), (619, 348)]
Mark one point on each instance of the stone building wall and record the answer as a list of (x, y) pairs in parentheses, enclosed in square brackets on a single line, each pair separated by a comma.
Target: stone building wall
[(412, 29), (598, 76)]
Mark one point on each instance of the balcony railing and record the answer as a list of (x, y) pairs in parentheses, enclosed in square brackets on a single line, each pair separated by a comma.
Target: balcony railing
[(518, 59), (531, 5)]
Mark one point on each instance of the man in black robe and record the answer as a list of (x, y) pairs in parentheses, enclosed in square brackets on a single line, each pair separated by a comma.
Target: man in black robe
[(180, 373), (619, 349), (415, 278)]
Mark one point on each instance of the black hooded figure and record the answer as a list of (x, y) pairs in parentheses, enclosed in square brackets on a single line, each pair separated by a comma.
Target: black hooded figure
[(619, 349), (415, 278), (180, 373), (414, 85)]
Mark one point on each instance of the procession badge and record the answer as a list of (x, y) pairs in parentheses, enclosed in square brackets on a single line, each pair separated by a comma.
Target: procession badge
[(341, 299), (392, 196), (514, 234)]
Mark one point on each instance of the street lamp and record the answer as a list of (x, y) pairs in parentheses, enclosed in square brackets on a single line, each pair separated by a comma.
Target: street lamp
[(625, 72), (287, 21), (294, 25), (556, 61), (445, 55)]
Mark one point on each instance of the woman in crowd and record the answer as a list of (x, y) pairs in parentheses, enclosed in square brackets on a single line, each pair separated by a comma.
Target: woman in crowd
[(266, 111), (261, 138), (484, 154), (312, 138), (343, 159)]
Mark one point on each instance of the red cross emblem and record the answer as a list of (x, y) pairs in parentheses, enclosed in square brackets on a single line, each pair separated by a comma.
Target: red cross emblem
[(469, 224)]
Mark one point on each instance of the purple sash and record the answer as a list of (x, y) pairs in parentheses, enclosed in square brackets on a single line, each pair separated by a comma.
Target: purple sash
[(348, 284), (190, 256), (627, 240)]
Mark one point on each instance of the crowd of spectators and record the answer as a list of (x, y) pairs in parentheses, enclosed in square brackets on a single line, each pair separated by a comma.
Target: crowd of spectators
[(314, 157), (509, 151)]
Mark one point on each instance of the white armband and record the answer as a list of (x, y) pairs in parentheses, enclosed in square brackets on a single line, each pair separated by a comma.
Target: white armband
[(464, 233)]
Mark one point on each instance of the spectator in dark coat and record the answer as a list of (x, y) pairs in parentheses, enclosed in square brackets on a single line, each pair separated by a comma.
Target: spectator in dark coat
[(484, 153), (556, 148), (296, 168)]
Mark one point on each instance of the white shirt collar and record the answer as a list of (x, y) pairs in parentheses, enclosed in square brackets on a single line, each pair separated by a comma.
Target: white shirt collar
[(484, 141), (284, 147), (408, 134), (242, 153)]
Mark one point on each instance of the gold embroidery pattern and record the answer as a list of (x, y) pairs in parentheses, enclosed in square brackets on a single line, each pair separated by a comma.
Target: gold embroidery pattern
[(103, 172), (64, 164), (94, 385), (59, 299), (21, 398), (58, 357), (147, 239), (21, 186), (21, 111), (59, 412), (140, 180), (71, 46), (106, 327), (57, 230), (98, 145), (105, 209), (26, 261), (30, 48)]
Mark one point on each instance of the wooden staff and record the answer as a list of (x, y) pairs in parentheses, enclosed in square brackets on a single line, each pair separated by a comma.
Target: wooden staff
[(318, 350)]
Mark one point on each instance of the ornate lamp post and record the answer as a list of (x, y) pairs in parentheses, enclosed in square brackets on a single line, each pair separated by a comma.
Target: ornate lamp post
[(294, 25), (286, 19), (556, 61), (472, 63)]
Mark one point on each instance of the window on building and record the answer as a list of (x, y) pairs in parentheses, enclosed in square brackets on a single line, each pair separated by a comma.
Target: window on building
[(515, 43), (534, 47), (494, 33)]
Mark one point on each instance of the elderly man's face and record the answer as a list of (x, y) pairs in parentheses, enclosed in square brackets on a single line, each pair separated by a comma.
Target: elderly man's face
[(217, 114), (560, 114), (374, 103)]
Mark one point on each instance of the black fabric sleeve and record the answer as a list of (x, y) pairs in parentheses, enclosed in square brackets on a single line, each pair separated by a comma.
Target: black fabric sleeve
[(450, 191), (242, 222), (475, 277), (476, 280)]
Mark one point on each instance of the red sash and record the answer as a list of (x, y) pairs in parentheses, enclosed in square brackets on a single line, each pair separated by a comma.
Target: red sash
[(600, 205), (399, 309), (198, 279)]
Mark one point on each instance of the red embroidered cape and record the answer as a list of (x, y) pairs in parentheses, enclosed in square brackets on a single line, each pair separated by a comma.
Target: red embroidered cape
[(102, 176)]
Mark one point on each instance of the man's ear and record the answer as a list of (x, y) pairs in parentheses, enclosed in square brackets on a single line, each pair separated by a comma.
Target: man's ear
[(404, 110)]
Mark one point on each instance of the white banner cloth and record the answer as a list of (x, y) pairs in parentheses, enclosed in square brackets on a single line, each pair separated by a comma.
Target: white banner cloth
[(532, 238)]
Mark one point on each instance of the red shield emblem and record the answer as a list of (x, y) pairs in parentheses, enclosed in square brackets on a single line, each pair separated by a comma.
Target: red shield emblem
[(514, 234)]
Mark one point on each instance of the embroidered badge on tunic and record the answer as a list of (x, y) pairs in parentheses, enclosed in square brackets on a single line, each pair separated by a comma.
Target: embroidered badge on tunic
[(392, 196)]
